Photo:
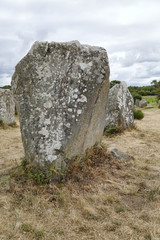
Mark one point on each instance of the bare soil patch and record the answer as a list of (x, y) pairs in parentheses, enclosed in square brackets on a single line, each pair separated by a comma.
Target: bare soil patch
[(120, 201)]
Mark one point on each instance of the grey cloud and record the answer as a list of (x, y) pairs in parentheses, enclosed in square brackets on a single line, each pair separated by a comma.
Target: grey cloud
[(127, 29), (146, 52), (138, 63), (137, 74)]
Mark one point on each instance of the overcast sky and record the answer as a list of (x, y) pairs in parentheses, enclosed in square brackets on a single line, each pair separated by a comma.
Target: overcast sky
[(128, 29)]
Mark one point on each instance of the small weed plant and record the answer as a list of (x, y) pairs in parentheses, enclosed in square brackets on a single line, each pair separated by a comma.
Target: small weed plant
[(113, 130), (4, 125), (40, 175), (1, 123), (36, 234), (119, 209), (13, 124), (78, 168), (81, 167)]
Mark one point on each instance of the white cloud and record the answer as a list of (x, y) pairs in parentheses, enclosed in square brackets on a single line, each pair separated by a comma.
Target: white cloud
[(129, 30), (5, 79)]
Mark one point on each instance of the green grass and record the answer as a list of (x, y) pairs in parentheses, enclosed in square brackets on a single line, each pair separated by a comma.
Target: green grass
[(4, 180), (119, 209), (151, 101)]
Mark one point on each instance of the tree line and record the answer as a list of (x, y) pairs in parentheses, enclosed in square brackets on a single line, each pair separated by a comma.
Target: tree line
[(138, 92)]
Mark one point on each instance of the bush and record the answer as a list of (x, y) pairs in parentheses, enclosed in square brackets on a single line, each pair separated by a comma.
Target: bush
[(138, 114)]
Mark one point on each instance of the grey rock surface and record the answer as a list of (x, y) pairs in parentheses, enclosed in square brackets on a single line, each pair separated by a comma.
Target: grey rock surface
[(61, 91), (119, 111), (142, 103), (120, 155), (7, 106), (137, 102), (158, 103)]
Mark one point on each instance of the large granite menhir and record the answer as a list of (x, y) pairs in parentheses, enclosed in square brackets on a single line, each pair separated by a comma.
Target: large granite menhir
[(61, 94), (119, 111), (7, 106)]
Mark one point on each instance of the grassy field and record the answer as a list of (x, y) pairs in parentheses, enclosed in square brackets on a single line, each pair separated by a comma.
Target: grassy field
[(151, 100), (110, 200)]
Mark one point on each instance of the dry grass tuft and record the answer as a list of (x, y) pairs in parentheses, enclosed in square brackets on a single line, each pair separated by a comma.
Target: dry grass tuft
[(88, 167), (7, 126)]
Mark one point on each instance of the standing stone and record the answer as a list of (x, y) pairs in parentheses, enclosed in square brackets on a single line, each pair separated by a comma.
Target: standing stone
[(142, 103), (158, 103), (119, 111), (7, 106), (61, 90), (137, 102)]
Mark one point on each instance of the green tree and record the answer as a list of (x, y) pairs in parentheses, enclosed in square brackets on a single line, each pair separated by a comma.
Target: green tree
[(6, 87), (154, 83), (114, 82)]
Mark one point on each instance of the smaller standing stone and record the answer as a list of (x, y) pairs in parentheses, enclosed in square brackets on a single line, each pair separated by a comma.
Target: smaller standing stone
[(142, 103), (119, 111), (159, 104), (7, 106), (137, 102)]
